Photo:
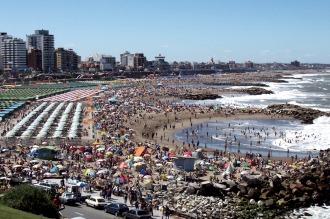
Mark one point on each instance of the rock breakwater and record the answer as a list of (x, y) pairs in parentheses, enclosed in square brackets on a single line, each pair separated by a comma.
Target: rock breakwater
[(306, 115), (252, 196), (253, 91), (206, 96)]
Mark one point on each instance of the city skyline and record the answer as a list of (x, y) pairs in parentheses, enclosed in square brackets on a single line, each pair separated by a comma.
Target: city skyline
[(259, 31)]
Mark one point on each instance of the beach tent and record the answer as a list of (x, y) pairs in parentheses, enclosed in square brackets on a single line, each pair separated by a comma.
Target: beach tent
[(113, 100), (184, 163), (198, 155), (140, 151), (229, 167), (46, 153)]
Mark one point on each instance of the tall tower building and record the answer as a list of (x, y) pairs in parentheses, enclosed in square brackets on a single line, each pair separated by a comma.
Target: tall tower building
[(43, 41), (13, 52), (3, 35)]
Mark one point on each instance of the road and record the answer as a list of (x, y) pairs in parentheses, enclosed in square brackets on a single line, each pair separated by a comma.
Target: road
[(85, 212)]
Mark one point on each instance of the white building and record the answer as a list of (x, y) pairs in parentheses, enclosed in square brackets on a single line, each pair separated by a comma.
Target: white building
[(127, 60), (13, 53), (42, 40)]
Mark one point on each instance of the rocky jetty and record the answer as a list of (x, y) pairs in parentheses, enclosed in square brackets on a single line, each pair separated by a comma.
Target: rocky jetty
[(306, 115), (252, 196), (253, 91), (205, 96), (236, 83)]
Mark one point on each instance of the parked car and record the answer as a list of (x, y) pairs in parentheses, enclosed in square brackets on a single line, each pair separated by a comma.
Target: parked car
[(68, 198), (136, 214), (96, 202), (116, 208)]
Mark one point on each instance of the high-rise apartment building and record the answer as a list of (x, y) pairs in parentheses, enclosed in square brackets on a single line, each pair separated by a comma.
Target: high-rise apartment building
[(13, 53), (139, 60), (66, 60), (42, 40), (127, 59), (34, 59), (3, 35)]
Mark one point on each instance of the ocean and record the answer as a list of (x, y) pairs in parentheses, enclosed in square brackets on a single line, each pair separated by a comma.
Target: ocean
[(270, 137)]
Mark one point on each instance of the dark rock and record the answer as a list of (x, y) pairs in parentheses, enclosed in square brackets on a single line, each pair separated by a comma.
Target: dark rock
[(253, 193), (281, 203), (269, 202), (322, 186), (199, 96), (190, 190), (311, 184), (306, 115)]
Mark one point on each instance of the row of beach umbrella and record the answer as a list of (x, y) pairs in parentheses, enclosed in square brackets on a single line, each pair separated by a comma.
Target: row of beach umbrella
[(75, 121), (16, 128), (43, 132), (73, 95), (62, 122), (29, 131)]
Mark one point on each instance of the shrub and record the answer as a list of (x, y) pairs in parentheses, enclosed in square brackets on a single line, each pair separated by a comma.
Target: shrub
[(30, 199)]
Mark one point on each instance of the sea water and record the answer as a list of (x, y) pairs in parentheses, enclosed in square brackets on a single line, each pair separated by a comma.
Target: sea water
[(305, 90)]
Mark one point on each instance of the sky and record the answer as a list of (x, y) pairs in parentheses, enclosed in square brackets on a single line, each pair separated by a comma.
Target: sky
[(260, 31)]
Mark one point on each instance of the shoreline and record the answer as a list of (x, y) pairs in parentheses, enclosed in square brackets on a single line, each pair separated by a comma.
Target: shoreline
[(170, 141)]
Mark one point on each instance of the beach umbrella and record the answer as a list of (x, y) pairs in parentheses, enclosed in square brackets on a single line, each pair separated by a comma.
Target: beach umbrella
[(60, 167), (246, 165), (137, 159), (109, 153), (129, 162), (36, 166), (91, 173), (102, 171), (81, 184), (229, 167), (244, 172), (123, 165), (213, 168), (17, 166), (87, 172), (117, 174)]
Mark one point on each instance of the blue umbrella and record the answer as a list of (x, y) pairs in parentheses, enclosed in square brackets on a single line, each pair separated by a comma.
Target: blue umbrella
[(210, 157)]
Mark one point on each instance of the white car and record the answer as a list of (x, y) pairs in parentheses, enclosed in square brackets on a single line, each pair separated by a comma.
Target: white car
[(96, 202)]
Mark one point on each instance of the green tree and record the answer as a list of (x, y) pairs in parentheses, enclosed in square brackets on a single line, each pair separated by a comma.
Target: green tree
[(30, 199)]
